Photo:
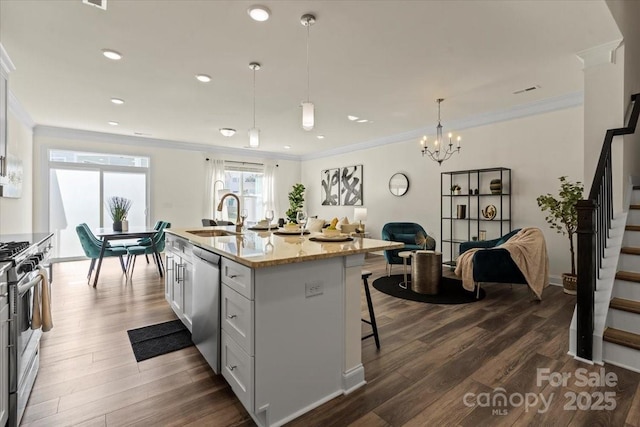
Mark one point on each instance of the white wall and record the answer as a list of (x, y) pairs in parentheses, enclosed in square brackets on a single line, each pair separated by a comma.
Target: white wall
[(177, 176), (16, 214), (538, 149), (626, 15)]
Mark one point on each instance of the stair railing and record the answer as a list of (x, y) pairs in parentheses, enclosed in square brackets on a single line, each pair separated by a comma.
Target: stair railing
[(594, 222)]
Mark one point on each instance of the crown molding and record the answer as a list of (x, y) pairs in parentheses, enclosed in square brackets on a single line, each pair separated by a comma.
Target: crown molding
[(16, 108), (6, 65), (598, 55), (111, 138), (519, 111)]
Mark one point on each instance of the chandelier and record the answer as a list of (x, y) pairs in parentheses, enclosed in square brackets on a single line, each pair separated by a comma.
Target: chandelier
[(440, 151)]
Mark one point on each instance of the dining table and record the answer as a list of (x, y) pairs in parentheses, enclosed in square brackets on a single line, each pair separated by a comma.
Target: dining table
[(107, 234)]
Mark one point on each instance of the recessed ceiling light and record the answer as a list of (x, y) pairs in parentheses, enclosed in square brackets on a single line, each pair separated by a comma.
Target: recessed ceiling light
[(227, 131), (203, 78), (114, 123), (111, 54), (352, 118), (320, 136), (362, 121), (117, 101), (287, 147), (259, 13)]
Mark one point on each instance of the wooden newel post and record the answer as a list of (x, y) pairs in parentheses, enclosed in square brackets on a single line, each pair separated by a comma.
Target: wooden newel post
[(586, 231)]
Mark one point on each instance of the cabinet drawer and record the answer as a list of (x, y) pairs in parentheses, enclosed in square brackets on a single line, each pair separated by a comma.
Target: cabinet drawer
[(237, 318), (238, 277), (237, 368)]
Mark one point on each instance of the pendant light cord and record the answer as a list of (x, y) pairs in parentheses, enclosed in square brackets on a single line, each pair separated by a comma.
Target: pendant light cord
[(254, 97), (308, 31)]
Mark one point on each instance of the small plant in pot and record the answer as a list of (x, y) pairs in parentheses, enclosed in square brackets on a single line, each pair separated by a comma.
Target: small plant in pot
[(455, 189), (118, 209), (563, 217)]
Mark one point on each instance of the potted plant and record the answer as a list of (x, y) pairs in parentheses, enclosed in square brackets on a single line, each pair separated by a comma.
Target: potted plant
[(296, 201), (118, 209), (563, 217), (455, 189)]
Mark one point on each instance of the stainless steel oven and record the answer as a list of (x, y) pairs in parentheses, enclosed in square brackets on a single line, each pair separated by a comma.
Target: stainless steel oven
[(24, 344), (30, 266)]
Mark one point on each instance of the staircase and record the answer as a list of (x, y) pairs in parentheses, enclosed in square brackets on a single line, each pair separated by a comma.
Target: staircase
[(621, 337)]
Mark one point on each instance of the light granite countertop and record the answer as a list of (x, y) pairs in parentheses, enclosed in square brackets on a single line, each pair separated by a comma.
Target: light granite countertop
[(257, 249)]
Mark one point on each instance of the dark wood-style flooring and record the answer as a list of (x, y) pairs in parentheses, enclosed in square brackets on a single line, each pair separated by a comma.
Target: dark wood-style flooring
[(432, 356)]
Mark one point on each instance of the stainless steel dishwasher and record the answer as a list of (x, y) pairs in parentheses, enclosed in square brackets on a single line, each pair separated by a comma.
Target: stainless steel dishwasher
[(206, 306)]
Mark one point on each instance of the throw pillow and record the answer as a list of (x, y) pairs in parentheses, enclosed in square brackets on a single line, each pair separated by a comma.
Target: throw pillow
[(343, 221), (315, 225)]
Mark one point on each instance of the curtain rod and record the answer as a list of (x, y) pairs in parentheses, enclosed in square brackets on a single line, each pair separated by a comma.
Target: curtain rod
[(244, 163)]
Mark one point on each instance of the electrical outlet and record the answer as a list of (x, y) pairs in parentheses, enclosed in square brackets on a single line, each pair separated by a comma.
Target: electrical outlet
[(313, 289)]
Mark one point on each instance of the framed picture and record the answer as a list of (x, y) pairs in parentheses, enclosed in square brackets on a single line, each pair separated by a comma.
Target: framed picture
[(351, 186), (330, 187)]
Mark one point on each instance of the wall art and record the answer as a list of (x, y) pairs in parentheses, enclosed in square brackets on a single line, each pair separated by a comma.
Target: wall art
[(351, 186), (330, 187)]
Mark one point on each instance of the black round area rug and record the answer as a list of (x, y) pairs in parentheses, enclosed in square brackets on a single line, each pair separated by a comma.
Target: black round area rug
[(450, 292)]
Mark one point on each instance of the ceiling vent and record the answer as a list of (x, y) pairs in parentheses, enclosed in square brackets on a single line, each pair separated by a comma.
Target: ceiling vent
[(529, 89), (102, 4)]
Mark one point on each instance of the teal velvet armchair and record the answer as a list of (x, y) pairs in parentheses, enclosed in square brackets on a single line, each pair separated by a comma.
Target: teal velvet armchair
[(407, 233)]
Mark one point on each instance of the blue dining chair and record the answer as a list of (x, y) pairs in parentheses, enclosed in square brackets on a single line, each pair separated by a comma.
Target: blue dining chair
[(92, 246), (146, 248)]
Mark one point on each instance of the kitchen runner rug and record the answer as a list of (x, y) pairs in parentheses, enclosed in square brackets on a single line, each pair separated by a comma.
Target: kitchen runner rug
[(450, 291), (154, 340)]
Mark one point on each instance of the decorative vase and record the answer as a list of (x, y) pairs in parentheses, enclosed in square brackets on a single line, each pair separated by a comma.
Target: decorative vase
[(117, 225), (125, 225), (496, 186), (461, 211), (570, 283), (456, 192)]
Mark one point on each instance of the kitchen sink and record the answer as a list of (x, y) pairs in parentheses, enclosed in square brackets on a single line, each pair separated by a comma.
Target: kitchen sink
[(212, 233)]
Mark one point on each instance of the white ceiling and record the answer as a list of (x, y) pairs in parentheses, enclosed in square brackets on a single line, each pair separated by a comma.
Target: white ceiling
[(386, 61)]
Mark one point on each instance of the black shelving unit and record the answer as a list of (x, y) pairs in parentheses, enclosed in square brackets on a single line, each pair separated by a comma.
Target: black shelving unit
[(455, 230)]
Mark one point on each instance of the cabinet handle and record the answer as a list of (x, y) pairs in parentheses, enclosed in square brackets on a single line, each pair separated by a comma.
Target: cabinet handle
[(231, 368), (178, 267), (231, 316), (4, 295), (232, 276)]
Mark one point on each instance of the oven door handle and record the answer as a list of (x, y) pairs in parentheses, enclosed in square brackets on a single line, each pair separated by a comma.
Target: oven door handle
[(22, 289)]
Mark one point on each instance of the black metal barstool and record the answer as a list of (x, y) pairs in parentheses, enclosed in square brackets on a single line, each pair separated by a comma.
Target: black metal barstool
[(372, 316)]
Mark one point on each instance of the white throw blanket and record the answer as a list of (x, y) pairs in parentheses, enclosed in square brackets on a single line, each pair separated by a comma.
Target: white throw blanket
[(528, 250)]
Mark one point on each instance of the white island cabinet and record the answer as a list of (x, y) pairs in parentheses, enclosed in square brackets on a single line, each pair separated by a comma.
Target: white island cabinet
[(178, 287), (290, 320)]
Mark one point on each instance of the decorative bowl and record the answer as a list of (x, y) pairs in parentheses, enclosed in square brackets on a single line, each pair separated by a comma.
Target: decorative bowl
[(329, 232), (291, 227)]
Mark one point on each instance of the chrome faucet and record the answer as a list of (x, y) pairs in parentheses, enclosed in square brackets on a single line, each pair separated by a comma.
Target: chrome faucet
[(239, 222)]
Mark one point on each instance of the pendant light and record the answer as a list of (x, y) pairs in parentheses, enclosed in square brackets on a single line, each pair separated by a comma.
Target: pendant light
[(254, 132), (308, 110)]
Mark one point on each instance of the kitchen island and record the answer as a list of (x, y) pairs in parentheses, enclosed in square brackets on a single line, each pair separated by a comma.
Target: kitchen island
[(289, 314)]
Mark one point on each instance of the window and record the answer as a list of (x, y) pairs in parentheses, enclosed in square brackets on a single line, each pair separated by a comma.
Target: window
[(79, 185), (245, 181)]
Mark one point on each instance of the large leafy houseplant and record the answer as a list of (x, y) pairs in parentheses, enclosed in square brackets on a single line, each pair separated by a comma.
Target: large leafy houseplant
[(296, 201), (563, 218)]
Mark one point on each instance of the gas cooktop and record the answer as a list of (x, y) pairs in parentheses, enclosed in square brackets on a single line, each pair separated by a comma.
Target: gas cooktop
[(8, 250)]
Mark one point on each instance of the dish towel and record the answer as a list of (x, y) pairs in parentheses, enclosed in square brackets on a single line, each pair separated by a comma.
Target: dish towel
[(42, 306)]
